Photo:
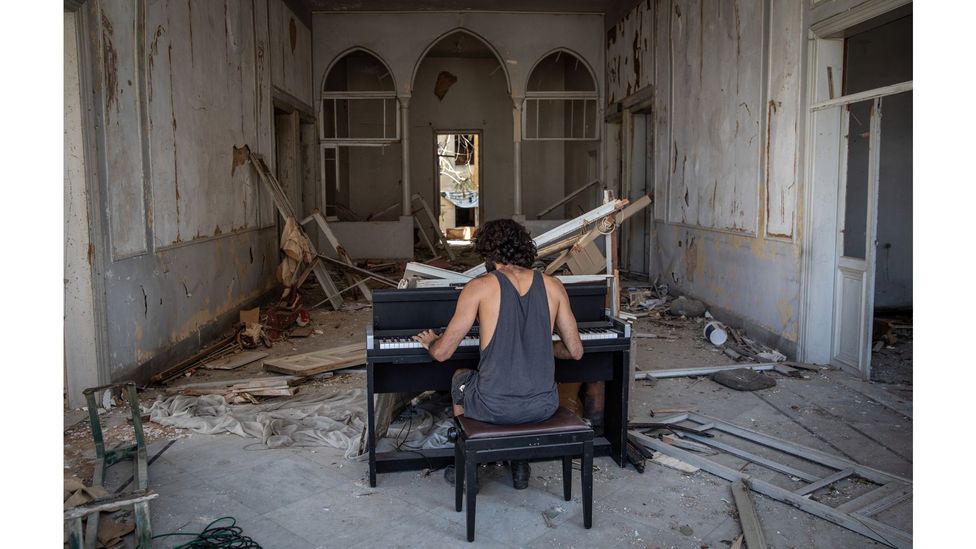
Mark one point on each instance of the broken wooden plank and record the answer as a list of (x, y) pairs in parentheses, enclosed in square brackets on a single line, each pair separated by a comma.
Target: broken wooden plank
[(266, 381), (805, 366), (674, 463), (166, 375), (333, 241), (702, 371), (879, 532), (363, 272), (565, 230), (583, 243), (748, 518), (824, 482), (437, 228), (281, 202), (644, 335), (316, 362), (235, 361), (753, 458), (868, 500)]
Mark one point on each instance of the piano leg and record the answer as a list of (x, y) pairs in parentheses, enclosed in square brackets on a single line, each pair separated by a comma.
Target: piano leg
[(617, 397), (371, 426)]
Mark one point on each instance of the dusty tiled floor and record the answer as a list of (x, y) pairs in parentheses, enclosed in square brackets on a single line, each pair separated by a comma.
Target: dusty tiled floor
[(313, 497)]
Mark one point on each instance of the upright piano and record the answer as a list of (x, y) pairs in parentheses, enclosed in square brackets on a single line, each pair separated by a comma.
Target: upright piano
[(398, 364)]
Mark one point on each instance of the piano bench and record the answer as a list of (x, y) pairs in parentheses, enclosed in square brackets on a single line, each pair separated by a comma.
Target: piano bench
[(564, 436)]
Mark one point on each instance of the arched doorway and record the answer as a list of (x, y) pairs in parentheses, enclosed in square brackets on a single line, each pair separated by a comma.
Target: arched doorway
[(461, 133)]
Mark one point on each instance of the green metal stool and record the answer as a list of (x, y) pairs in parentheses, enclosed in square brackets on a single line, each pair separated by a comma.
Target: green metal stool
[(139, 498)]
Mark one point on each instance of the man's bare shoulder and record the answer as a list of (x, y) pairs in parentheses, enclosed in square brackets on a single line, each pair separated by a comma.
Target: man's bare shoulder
[(554, 286), (480, 284)]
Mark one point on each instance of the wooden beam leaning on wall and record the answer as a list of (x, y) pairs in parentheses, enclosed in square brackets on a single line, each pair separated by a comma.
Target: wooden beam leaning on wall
[(330, 237), (285, 209)]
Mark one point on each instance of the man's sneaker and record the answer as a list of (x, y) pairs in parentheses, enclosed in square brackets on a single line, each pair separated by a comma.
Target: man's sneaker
[(449, 476), (520, 474)]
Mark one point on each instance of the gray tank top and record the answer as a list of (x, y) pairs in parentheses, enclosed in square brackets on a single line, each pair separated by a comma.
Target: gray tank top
[(515, 382)]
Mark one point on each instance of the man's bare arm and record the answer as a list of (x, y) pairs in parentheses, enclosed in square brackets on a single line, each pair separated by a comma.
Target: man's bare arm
[(570, 347), (465, 313)]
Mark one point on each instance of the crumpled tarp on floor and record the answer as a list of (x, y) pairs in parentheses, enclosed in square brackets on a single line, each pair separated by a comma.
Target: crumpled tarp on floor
[(333, 419)]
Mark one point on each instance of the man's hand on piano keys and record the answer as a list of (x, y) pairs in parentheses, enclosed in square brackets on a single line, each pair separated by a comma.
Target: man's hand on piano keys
[(426, 338)]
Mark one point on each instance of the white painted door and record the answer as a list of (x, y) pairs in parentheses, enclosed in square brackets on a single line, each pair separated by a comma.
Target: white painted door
[(856, 239)]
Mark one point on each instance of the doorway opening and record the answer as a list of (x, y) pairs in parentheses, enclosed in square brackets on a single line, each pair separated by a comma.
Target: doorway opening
[(458, 168), (873, 259), (880, 56)]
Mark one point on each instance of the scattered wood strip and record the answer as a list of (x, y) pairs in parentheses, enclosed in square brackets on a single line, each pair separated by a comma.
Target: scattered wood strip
[(748, 518), (169, 374), (317, 362), (233, 362)]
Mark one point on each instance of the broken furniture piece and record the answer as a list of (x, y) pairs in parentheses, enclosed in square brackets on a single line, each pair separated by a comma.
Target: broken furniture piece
[(106, 458), (855, 515), (333, 295), (79, 538)]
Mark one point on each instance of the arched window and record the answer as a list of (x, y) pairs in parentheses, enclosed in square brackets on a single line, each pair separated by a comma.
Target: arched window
[(359, 103), (560, 100)]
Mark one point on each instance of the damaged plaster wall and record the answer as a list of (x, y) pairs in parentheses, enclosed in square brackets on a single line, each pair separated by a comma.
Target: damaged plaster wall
[(191, 232), (521, 40), (726, 104)]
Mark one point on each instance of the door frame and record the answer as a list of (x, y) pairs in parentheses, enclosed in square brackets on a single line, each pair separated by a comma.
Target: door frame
[(437, 171), (823, 141)]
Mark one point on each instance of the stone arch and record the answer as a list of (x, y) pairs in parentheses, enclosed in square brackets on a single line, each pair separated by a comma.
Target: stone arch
[(476, 36), (342, 55)]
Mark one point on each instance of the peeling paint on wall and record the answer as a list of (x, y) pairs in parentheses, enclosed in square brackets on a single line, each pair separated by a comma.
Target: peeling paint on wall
[(783, 118), (208, 95), (716, 90), (726, 214), (630, 53)]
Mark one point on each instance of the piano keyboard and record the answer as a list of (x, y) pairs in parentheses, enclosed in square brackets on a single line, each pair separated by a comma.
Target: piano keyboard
[(586, 334)]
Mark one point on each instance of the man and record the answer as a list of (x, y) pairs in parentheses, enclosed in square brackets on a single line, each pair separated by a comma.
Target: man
[(517, 309)]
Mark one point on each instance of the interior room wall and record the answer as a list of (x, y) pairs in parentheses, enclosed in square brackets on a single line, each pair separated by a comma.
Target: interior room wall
[(191, 234), (726, 133)]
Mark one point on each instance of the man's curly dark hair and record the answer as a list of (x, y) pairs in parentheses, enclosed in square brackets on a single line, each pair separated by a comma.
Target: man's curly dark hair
[(505, 241)]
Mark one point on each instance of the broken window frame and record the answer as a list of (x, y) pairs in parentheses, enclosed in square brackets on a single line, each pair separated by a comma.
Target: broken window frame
[(335, 97), (590, 100), (335, 145)]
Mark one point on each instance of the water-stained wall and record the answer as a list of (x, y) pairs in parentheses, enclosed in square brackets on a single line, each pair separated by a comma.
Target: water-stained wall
[(725, 78), (178, 89)]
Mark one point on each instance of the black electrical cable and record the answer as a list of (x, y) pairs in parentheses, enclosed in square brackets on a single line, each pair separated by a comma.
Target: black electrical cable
[(216, 537)]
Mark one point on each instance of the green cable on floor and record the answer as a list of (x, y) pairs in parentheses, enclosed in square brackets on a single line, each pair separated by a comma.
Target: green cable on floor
[(220, 537)]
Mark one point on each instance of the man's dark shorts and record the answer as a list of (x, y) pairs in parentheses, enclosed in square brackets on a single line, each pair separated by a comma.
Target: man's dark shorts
[(460, 378)]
